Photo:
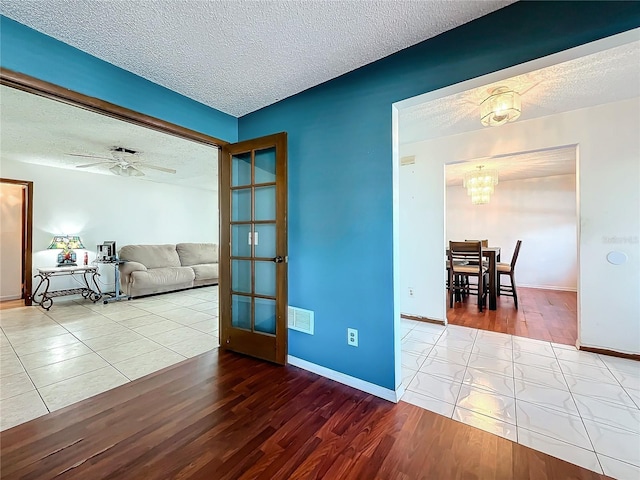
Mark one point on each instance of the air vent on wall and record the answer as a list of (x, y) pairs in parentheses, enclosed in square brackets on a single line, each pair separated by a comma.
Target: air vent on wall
[(410, 160), (301, 320)]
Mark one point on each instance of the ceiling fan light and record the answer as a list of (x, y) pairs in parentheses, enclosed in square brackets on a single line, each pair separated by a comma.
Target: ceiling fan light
[(126, 171), (503, 105)]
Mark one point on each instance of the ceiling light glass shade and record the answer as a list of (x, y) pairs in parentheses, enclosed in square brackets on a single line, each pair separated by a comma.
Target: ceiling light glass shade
[(126, 171), (480, 198), (480, 184), (502, 106)]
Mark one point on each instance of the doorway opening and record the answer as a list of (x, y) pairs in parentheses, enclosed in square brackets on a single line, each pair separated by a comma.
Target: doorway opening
[(16, 201), (445, 115), (534, 202)]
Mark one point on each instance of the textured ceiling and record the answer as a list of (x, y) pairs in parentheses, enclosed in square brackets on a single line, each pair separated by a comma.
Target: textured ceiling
[(596, 79), (542, 163), (42, 131), (236, 55)]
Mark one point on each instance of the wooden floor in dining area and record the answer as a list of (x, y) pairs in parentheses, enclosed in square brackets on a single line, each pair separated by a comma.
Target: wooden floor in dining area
[(549, 315), (226, 416)]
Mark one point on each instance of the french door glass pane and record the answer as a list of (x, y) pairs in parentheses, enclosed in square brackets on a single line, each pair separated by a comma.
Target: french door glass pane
[(241, 169), (265, 315), (241, 205), (240, 241), (241, 276), (241, 312), (265, 203), (265, 171), (266, 240), (265, 281)]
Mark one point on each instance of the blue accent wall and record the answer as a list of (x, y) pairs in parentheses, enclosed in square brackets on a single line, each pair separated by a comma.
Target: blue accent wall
[(340, 190), (340, 168), (27, 51)]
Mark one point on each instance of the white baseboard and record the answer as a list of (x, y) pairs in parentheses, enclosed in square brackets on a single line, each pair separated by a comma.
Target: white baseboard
[(10, 297), (548, 287), (390, 395)]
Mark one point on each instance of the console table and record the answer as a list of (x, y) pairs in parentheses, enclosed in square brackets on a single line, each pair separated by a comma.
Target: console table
[(87, 273)]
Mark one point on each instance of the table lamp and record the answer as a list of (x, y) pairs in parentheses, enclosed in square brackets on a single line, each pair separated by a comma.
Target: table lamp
[(66, 258)]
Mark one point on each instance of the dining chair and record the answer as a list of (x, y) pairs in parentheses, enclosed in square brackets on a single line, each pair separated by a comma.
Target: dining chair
[(460, 268), (509, 269), (485, 244)]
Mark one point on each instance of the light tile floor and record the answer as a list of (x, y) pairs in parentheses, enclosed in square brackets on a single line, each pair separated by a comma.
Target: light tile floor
[(577, 406), (78, 349)]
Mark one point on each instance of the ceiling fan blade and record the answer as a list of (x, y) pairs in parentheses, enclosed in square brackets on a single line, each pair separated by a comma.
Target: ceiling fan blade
[(154, 167), (88, 156), (91, 164)]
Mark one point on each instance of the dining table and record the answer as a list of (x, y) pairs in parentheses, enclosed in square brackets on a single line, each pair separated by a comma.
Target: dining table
[(492, 254)]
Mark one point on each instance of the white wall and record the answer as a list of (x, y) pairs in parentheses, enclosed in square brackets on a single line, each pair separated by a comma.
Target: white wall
[(539, 211), (109, 207), (609, 213), (11, 241)]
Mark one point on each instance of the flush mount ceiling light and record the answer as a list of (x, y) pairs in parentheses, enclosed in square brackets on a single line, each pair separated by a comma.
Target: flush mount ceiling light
[(502, 106), (479, 184)]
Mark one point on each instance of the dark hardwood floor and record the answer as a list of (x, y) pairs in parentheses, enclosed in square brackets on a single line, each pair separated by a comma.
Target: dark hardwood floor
[(225, 416), (549, 315)]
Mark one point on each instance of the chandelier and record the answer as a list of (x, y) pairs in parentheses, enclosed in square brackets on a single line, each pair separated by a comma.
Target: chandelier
[(479, 184), (502, 106)]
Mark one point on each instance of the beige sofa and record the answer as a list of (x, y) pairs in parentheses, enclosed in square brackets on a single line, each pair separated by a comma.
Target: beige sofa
[(150, 269)]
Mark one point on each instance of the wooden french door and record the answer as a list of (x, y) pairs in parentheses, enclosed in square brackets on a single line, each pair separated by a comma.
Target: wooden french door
[(253, 247)]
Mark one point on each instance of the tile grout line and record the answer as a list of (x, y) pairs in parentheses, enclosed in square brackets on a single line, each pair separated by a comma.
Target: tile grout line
[(515, 395), (578, 410), (30, 379), (455, 404), (605, 424), (45, 315), (619, 382), (468, 365), (92, 312)]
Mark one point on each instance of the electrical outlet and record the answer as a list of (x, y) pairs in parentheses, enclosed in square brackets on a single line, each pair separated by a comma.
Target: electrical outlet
[(352, 337), (411, 291)]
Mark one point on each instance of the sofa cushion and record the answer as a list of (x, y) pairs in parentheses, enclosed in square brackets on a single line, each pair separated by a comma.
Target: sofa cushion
[(206, 272), (197, 253), (151, 256), (180, 277)]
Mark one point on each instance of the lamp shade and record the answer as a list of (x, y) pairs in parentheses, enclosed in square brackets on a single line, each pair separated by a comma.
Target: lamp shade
[(502, 106), (75, 242), (65, 242)]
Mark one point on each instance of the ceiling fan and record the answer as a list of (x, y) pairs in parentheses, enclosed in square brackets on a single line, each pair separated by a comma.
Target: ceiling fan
[(124, 163)]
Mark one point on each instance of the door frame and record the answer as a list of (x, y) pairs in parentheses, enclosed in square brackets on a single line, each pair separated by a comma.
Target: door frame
[(27, 237), (45, 89)]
